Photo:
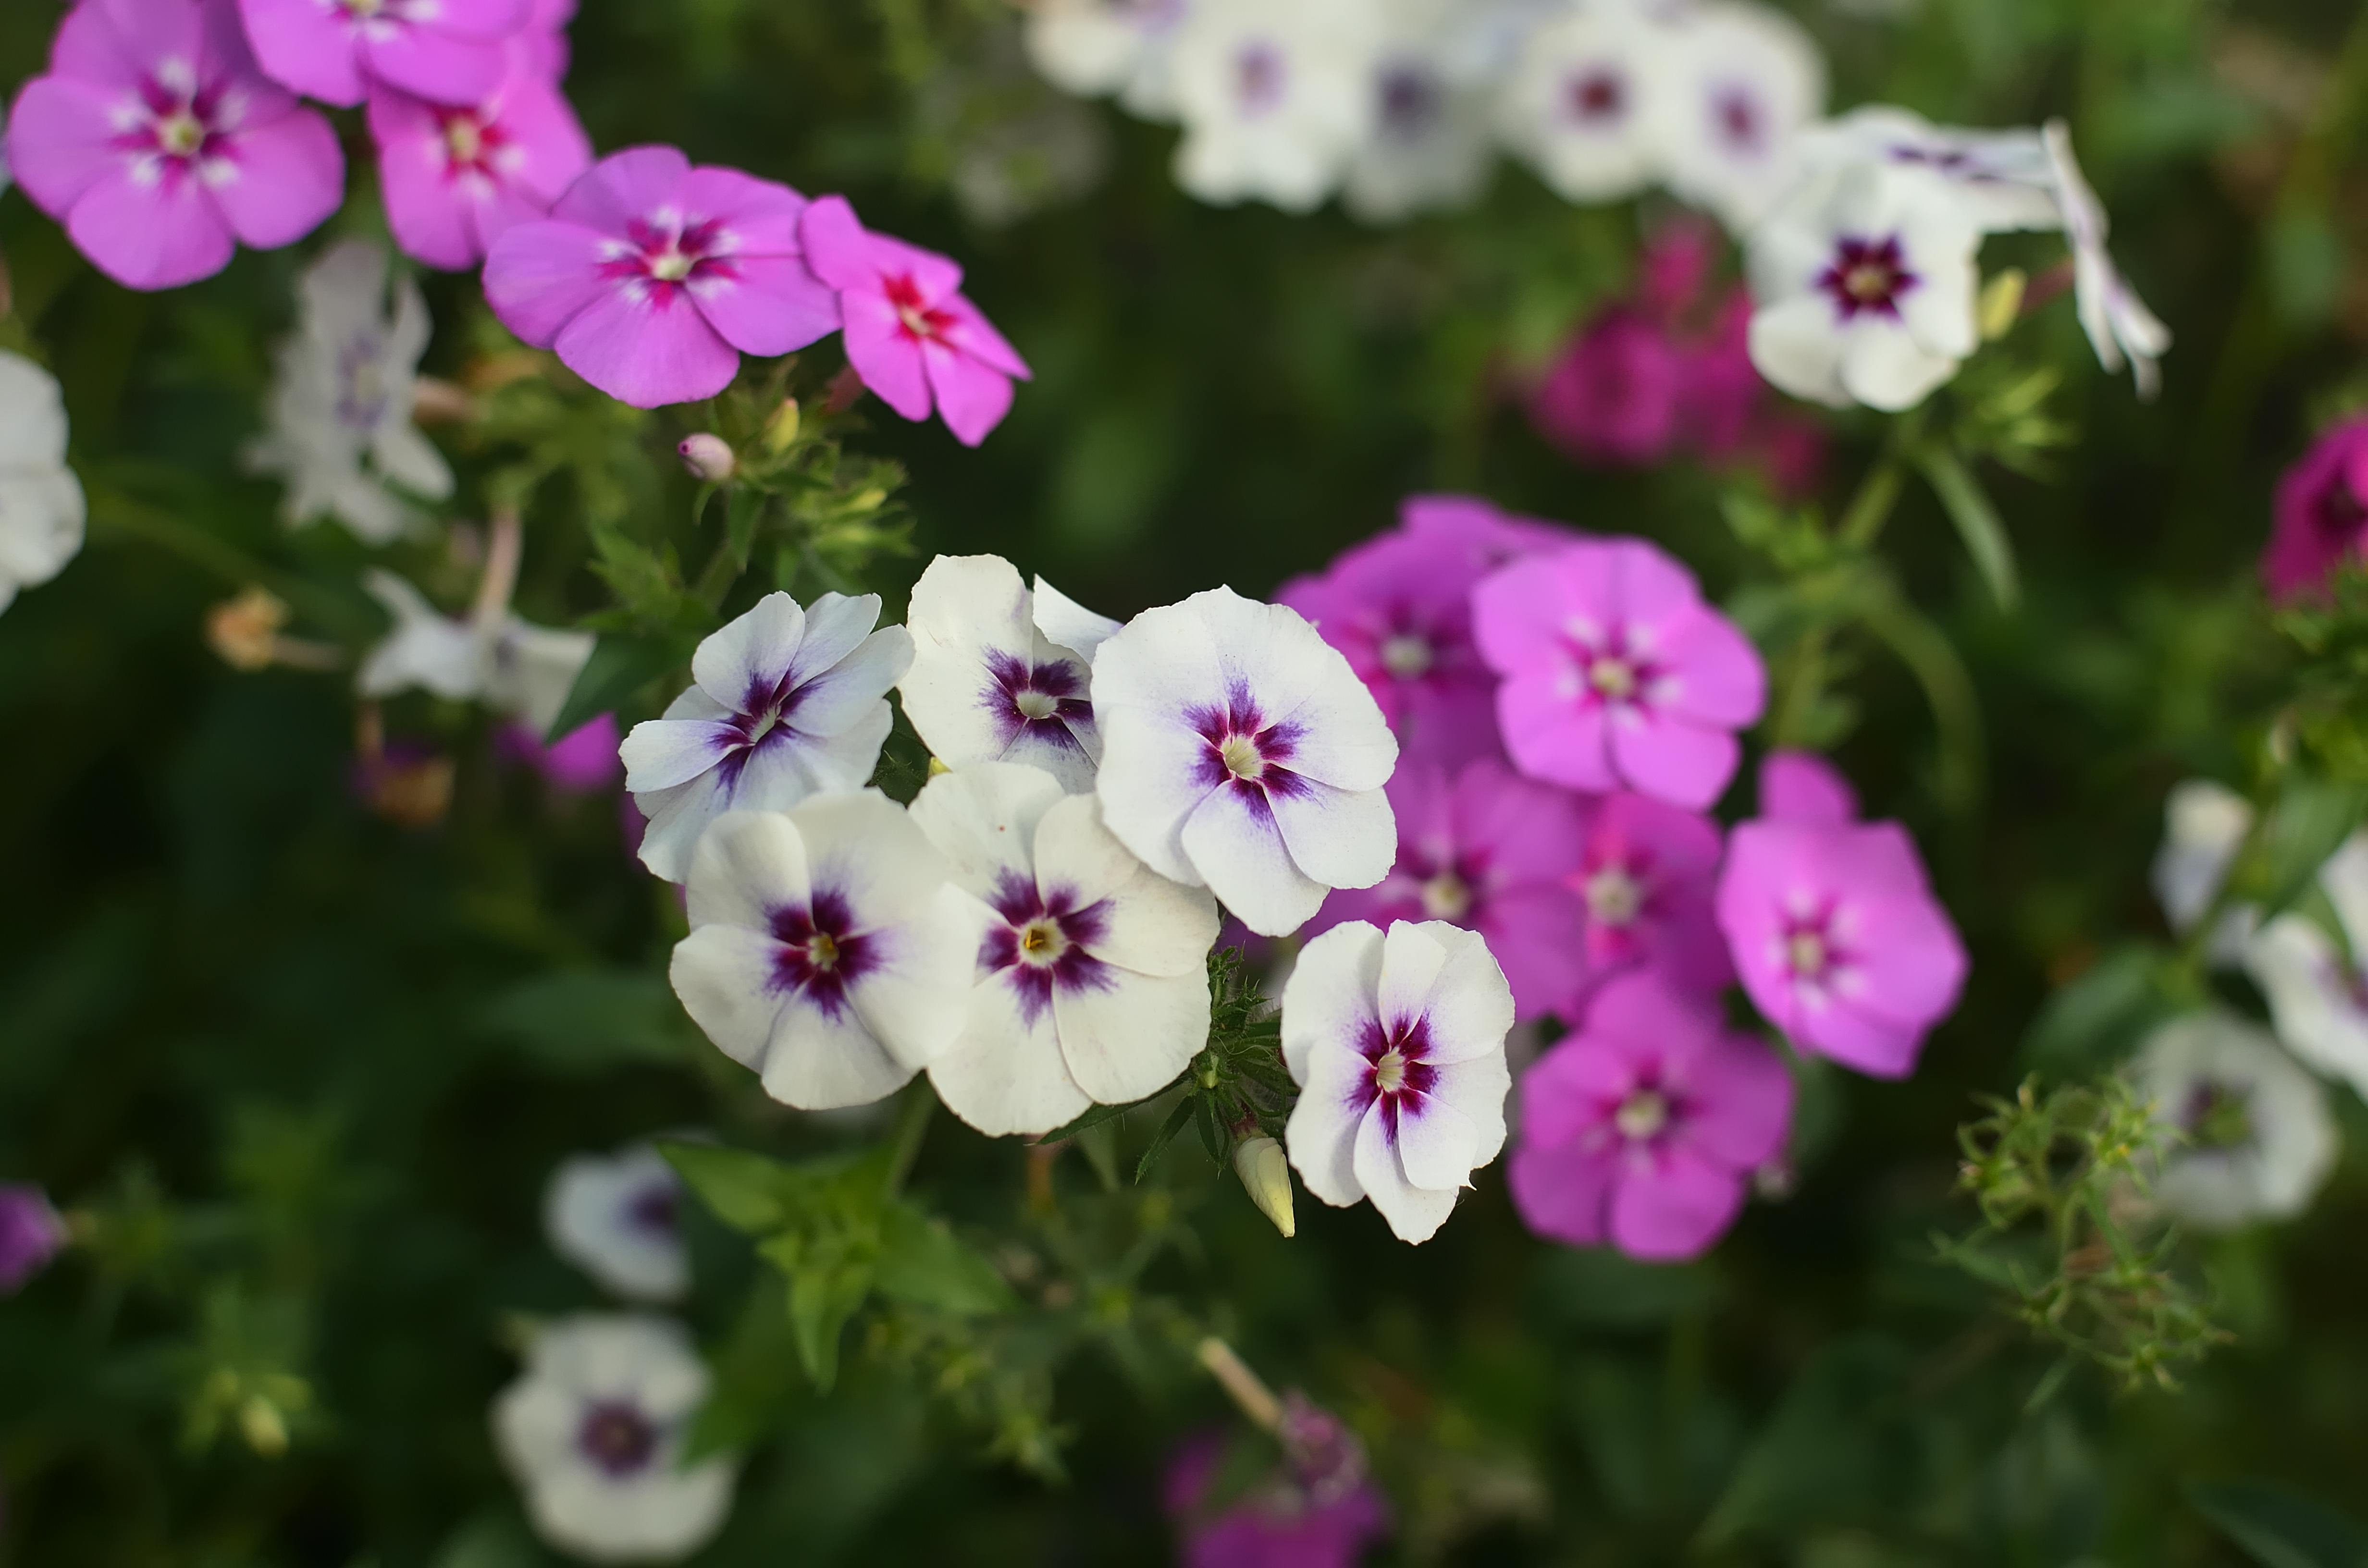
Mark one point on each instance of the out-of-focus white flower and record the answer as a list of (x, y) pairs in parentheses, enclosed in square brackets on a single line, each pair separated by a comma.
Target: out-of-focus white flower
[(593, 1432), (41, 507), (513, 667), (988, 683), (1398, 1043), (618, 1218), (1865, 282), (2259, 1138), (1090, 981), (1275, 98), (2317, 990), (344, 391), (785, 702), (1431, 142), (827, 948), (1241, 753), (1583, 102), (2118, 323), (1741, 84), (2002, 177), (2204, 824), (1098, 47)]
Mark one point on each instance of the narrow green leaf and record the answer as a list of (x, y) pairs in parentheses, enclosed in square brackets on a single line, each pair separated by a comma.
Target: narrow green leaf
[(1094, 1116), (2280, 1528), (1213, 1136), (619, 667), (1166, 1135), (2310, 822), (744, 508), (924, 1264), (2097, 1018), (1977, 520), (749, 1192), (821, 1298), (589, 1020)]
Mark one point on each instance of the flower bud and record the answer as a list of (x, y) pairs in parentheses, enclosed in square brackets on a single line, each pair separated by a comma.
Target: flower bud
[(244, 631), (265, 1429), (2000, 304), (781, 427), (1266, 1176), (707, 457)]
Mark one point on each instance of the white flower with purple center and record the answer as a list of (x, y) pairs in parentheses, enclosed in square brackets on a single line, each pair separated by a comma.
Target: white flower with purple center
[(1398, 1043), (618, 1218), (989, 683), (594, 1432), (1431, 142), (1583, 102), (518, 669), (2258, 1139), (827, 949), (2118, 323), (786, 703), (1742, 83), (41, 505), (1089, 982), (1240, 753), (1275, 100), (2316, 985), (1098, 47), (1865, 282), (2001, 178)]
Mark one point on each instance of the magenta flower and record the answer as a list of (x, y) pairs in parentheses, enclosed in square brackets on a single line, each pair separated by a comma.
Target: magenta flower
[(1281, 1522), (582, 761), (449, 51), (1615, 396), (159, 145), (1644, 1129), (1494, 853), (2322, 513), (457, 179), (30, 1234), (1836, 933), (1645, 879), (1492, 537), (1617, 675), (914, 339), (651, 277)]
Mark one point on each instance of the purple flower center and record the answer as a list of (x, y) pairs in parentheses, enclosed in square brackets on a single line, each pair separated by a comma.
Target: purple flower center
[(1616, 894), (918, 321), (1399, 1057), (664, 253), (1645, 1115), (1595, 95), (1039, 943), (656, 1208), (177, 124), (1611, 674), (1868, 278), (1041, 701), (616, 1436), (361, 381), (1410, 101), (2338, 509), (1741, 122), (473, 145), (821, 952), (1244, 750), (1258, 73), (1808, 949)]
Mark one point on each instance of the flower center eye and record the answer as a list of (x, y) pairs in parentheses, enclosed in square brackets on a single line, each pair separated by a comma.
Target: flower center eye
[(1407, 656), (1614, 897), (1390, 1071), (1043, 942), (1240, 756), (1807, 953), (2217, 1116), (670, 265), (179, 133), (822, 950), (1599, 94), (364, 8), (1641, 1115), (1868, 282), (617, 1438), (1036, 705), (464, 138), (916, 321), (1446, 897), (1258, 78), (1613, 678)]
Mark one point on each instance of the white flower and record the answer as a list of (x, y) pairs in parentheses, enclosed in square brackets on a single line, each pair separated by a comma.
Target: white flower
[(1275, 98), (1397, 1044), (2001, 177), (1090, 981), (1096, 47), (2317, 990), (1241, 753), (787, 702), (1741, 84), (2204, 824), (2261, 1139), (593, 1432), (618, 1218), (987, 683), (2116, 319), (42, 512), (1865, 281), (1429, 144), (827, 949), (518, 669), (344, 392), (1584, 101)]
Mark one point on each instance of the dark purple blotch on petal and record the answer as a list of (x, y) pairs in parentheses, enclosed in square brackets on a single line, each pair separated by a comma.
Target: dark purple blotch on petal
[(1040, 942), (822, 953)]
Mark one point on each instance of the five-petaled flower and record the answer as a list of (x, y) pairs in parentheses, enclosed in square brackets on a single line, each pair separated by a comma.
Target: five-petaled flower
[(1646, 877), (2318, 988), (1090, 981), (449, 51), (618, 1218), (785, 702), (2255, 1137), (1742, 81), (1398, 1043), (1240, 753), (2321, 514), (1583, 102), (1275, 100)]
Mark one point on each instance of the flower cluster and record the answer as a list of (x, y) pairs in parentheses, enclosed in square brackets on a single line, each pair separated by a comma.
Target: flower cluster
[(1569, 710)]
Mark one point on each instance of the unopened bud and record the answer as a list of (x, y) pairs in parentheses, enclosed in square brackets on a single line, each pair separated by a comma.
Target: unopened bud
[(264, 1427), (244, 631), (707, 457), (2000, 304), (781, 428), (1265, 1177)]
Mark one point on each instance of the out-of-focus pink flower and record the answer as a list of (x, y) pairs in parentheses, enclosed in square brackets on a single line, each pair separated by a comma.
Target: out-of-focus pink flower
[(1790, 452), (582, 761), (1490, 537), (1720, 399), (1279, 1523), (1643, 1129), (1495, 852), (1833, 926), (1646, 881), (1673, 270), (449, 51), (544, 39), (1615, 394), (456, 180), (651, 277), (30, 1234), (1617, 675), (910, 334), (2322, 513), (160, 146)]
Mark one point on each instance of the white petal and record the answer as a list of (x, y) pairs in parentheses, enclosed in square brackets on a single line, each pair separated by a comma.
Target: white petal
[(1154, 926), (1414, 1213), (1438, 1144), (1412, 957), (847, 693), (2306, 981), (1066, 623), (411, 460), (676, 818), (818, 1061), (659, 754), (41, 524), (32, 416), (1321, 1135), (1232, 842), (1884, 367), (1478, 1088), (751, 655), (1003, 1075), (2344, 879), (424, 649), (1339, 838), (916, 1003), (748, 866), (1797, 344), (1132, 1038), (1471, 1003), (724, 976), (533, 669), (1151, 781), (984, 819), (1330, 997), (837, 624)]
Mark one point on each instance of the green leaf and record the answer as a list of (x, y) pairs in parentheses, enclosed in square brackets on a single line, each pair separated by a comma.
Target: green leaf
[(756, 1377), (2101, 1016), (619, 667), (824, 1294), (924, 1264), (744, 508), (589, 1020), (1978, 521), (2310, 822), (1166, 1135), (1843, 1439), (749, 1192), (1094, 1116), (2280, 1528), (496, 1538)]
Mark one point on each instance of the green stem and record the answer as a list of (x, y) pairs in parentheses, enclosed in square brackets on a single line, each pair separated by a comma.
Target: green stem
[(1804, 683), (1871, 508), (1956, 710), (911, 1125), (113, 512)]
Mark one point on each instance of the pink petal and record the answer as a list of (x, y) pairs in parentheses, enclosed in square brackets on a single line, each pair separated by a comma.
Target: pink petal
[(1912, 966), (762, 214), (835, 246), (90, 48), (442, 67), (936, 277), (1675, 1209), (1800, 786), (1641, 1010), (1552, 737), (1538, 932), (1739, 1102), (1673, 761), (1516, 616), (1563, 1193), (1880, 1048), (644, 354), (1531, 831), (973, 398), (305, 47), (225, 56), (486, 20), (971, 334), (1645, 587), (59, 140), (769, 304), (152, 236), (1719, 679), (426, 209), (623, 188), (539, 277), (883, 354), (1573, 1088), (290, 175)]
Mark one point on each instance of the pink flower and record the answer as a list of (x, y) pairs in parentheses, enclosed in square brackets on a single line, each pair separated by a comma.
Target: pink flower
[(1617, 675), (910, 335), (158, 143), (1614, 396), (1643, 1129), (2322, 513), (1645, 879), (1674, 267), (1494, 853), (1279, 1522), (544, 39), (30, 1234), (1490, 537), (582, 761), (651, 277), (449, 51), (457, 179), (1833, 926)]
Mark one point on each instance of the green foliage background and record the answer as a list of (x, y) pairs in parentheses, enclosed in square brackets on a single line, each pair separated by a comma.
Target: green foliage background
[(307, 1072)]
